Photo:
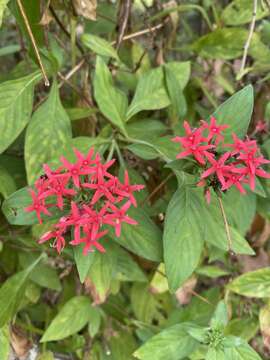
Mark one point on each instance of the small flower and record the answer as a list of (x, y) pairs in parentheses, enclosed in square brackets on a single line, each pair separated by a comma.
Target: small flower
[(57, 235), (215, 130), (118, 216), (218, 167), (57, 188), (261, 127), (127, 190), (101, 188), (72, 170), (38, 205)]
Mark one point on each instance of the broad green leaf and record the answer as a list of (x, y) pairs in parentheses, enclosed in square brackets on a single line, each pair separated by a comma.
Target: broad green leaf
[(213, 354), (227, 113), (220, 317), (12, 291), (102, 271), (212, 271), (4, 343), (178, 102), (99, 46), (7, 184), (72, 317), (3, 4), (83, 262), (44, 275), (146, 128), (122, 346), (150, 93), (94, 321), (159, 282), (80, 113), (228, 43), (144, 304), (182, 239), (240, 12), (245, 327), (127, 269), (252, 284), (173, 343), (111, 101), (181, 71), (143, 239), (16, 100), (48, 355), (48, 132), (243, 352)]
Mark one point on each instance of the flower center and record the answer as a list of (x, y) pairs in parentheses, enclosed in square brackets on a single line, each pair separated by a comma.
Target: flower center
[(193, 147), (191, 138), (85, 162), (74, 172), (214, 129)]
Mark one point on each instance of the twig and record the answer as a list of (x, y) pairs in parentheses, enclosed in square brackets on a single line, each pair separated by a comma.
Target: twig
[(251, 31), (160, 186), (46, 80), (227, 228), (123, 20), (141, 32), (72, 72), (62, 27), (74, 87)]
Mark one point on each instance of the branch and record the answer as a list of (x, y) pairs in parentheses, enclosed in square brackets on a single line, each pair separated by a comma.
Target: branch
[(247, 44), (28, 28), (123, 20)]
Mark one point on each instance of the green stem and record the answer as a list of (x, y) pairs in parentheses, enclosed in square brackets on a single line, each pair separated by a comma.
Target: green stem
[(227, 228), (120, 157)]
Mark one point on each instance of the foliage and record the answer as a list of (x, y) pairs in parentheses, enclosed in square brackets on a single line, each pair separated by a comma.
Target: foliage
[(174, 276)]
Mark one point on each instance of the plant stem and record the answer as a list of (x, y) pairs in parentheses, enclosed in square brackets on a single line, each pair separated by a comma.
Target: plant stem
[(227, 228), (26, 22)]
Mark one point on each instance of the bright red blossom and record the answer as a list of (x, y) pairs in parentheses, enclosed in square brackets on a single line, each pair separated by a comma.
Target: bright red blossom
[(222, 170), (90, 196)]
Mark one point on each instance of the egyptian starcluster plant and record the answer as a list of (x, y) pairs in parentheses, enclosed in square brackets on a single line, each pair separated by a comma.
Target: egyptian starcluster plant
[(89, 198), (222, 165)]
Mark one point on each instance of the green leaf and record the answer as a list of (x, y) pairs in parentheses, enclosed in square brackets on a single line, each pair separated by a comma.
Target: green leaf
[(213, 354), (7, 183), (239, 12), (122, 345), (127, 269), (111, 101), (72, 317), (83, 262), (99, 46), (102, 271), (16, 100), (220, 317), (253, 284), (176, 96), (143, 239), (3, 5), (211, 271), (44, 275), (94, 321), (48, 355), (12, 291), (4, 343), (228, 43), (227, 113), (173, 343), (245, 327), (80, 113), (182, 236), (242, 352), (150, 93), (181, 71), (48, 133)]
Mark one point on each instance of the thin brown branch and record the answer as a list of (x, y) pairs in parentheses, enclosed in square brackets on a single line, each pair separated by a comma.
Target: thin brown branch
[(160, 186), (142, 32), (62, 27), (30, 33), (247, 44), (123, 17), (72, 72)]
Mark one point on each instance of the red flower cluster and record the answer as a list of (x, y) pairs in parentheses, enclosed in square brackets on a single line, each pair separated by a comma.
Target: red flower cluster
[(89, 196), (226, 169)]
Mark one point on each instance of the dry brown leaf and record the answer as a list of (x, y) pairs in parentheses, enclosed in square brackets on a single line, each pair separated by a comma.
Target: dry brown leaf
[(252, 263), (86, 8), (184, 293), (19, 342)]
